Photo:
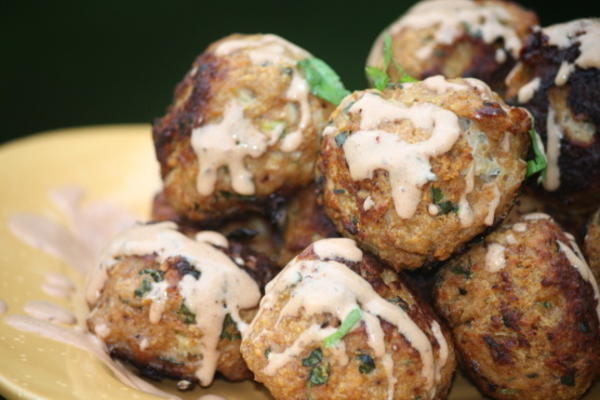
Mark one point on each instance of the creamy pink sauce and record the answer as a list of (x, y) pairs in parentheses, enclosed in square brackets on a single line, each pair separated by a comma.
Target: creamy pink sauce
[(84, 341), (340, 292), (221, 281), (494, 258), (450, 17), (577, 260), (586, 32), (57, 285), (553, 143), (519, 227), (49, 312), (493, 205), (3, 307), (211, 397), (371, 148), (527, 91), (565, 70), (227, 143), (89, 228)]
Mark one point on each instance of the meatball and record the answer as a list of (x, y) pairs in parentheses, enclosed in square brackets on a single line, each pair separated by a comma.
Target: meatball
[(592, 244), (412, 173), (334, 324), (455, 38), (305, 222), (243, 126), (175, 306), (523, 308), (252, 230), (558, 80)]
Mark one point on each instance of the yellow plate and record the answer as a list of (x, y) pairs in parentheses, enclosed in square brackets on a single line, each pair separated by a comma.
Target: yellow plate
[(113, 163)]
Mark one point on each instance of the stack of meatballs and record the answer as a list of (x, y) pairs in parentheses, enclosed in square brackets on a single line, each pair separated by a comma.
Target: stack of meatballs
[(392, 233)]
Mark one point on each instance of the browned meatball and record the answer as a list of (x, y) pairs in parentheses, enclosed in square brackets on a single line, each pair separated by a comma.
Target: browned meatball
[(305, 222), (334, 324), (558, 80), (252, 230), (455, 38), (592, 244), (243, 126), (523, 308), (413, 173), (145, 308)]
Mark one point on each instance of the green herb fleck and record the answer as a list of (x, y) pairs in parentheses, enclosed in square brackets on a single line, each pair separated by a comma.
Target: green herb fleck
[(446, 206), (144, 288), (388, 58), (314, 358), (323, 80), (188, 316), (460, 270), (339, 191), (417, 398), (539, 162), (547, 304), (319, 375), (378, 77), (267, 352), (229, 330), (568, 379), (583, 327), (366, 363), (509, 391), (156, 275), (347, 324), (399, 302), (341, 137)]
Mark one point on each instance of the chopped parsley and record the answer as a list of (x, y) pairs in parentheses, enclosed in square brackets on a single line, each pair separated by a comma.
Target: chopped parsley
[(155, 274), (568, 379), (319, 372), (267, 352), (379, 76), (399, 302), (229, 330), (460, 270), (188, 316), (347, 324), (314, 358), (319, 375), (366, 363), (445, 206), (341, 137), (539, 162), (144, 288), (323, 80)]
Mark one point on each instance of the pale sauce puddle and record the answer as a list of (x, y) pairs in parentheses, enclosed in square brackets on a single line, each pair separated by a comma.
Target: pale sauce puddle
[(79, 245)]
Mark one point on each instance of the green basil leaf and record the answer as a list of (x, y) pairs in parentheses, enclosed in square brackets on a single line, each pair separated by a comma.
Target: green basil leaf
[(323, 80), (539, 162), (379, 78), (347, 324)]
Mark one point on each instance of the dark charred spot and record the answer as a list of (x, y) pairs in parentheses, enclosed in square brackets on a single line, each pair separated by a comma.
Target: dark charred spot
[(511, 318), (350, 226), (183, 267), (568, 379), (489, 110), (499, 351)]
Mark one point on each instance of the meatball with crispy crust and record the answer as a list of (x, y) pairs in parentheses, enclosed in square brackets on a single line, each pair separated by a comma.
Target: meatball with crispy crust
[(592, 244), (335, 324), (243, 126), (523, 308), (413, 173), (305, 222), (454, 38), (253, 230), (558, 80), (174, 306)]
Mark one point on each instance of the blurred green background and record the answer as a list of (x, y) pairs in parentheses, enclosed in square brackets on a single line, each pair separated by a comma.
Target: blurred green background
[(81, 63)]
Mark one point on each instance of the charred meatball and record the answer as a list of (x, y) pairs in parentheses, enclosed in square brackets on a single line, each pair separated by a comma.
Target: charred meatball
[(242, 127), (253, 230), (175, 306), (592, 244), (412, 173), (334, 324), (523, 308), (558, 80), (455, 38), (305, 222)]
